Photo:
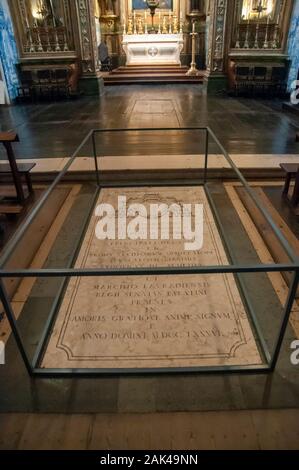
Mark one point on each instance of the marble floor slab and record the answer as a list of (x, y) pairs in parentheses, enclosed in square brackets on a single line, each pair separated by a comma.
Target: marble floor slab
[(152, 321)]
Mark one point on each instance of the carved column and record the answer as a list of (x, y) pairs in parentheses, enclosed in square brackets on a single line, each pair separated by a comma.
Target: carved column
[(91, 82), (216, 57)]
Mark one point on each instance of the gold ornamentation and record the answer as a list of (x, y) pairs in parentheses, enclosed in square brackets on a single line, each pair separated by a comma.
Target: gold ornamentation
[(130, 25), (139, 26), (175, 24), (164, 29)]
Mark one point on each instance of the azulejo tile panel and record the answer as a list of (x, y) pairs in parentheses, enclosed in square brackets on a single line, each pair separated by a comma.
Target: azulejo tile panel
[(8, 50), (293, 49)]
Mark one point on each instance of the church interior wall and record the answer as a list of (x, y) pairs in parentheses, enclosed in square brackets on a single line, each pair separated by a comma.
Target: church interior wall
[(58, 40)]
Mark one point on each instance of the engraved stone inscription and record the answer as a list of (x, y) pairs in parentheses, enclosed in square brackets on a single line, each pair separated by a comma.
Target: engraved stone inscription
[(152, 321)]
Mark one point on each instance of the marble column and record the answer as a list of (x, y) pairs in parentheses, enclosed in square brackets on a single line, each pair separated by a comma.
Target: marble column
[(91, 82), (216, 55)]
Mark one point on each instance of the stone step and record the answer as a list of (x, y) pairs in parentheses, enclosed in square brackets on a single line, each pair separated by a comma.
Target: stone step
[(152, 76), (154, 72), (152, 68), (150, 80), (149, 74)]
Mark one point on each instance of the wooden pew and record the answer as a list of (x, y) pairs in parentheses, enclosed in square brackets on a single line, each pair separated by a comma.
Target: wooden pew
[(292, 171), (17, 171)]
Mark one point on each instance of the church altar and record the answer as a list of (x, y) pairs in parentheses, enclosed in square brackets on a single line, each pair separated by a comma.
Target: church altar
[(153, 49)]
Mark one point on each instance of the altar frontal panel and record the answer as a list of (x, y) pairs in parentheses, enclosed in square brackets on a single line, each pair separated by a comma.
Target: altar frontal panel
[(153, 321)]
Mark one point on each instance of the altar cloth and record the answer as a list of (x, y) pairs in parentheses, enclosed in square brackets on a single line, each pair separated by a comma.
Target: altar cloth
[(153, 49)]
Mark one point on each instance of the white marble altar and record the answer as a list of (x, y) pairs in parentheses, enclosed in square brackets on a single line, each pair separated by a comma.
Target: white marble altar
[(153, 49)]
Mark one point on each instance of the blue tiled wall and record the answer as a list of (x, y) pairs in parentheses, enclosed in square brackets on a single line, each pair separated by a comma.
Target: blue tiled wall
[(293, 44), (8, 49)]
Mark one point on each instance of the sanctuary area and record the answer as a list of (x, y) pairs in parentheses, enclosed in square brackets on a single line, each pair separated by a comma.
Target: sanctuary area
[(67, 47)]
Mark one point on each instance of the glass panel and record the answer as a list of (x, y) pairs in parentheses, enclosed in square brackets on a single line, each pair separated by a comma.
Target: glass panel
[(252, 226), (235, 318), (214, 321)]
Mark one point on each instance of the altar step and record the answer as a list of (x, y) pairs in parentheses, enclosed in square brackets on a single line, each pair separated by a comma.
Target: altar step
[(148, 74), (151, 69)]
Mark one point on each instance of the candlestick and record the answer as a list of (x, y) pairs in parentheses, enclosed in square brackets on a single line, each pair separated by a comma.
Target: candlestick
[(266, 42), (30, 40), (49, 48), (57, 45), (237, 45), (274, 44), (279, 13), (164, 30), (139, 26), (193, 69), (145, 22), (39, 42), (130, 25), (65, 46), (135, 25), (159, 31), (256, 41), (175, 24), (246, 43)]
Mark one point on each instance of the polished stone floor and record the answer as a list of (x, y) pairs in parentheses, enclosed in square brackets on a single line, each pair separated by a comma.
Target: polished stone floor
[(230, 430), (243, 126), (144, 393)]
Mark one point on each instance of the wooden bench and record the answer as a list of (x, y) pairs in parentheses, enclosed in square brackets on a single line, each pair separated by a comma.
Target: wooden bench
[(292, 171), (7, 138), (10, 210), (24, 169)]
